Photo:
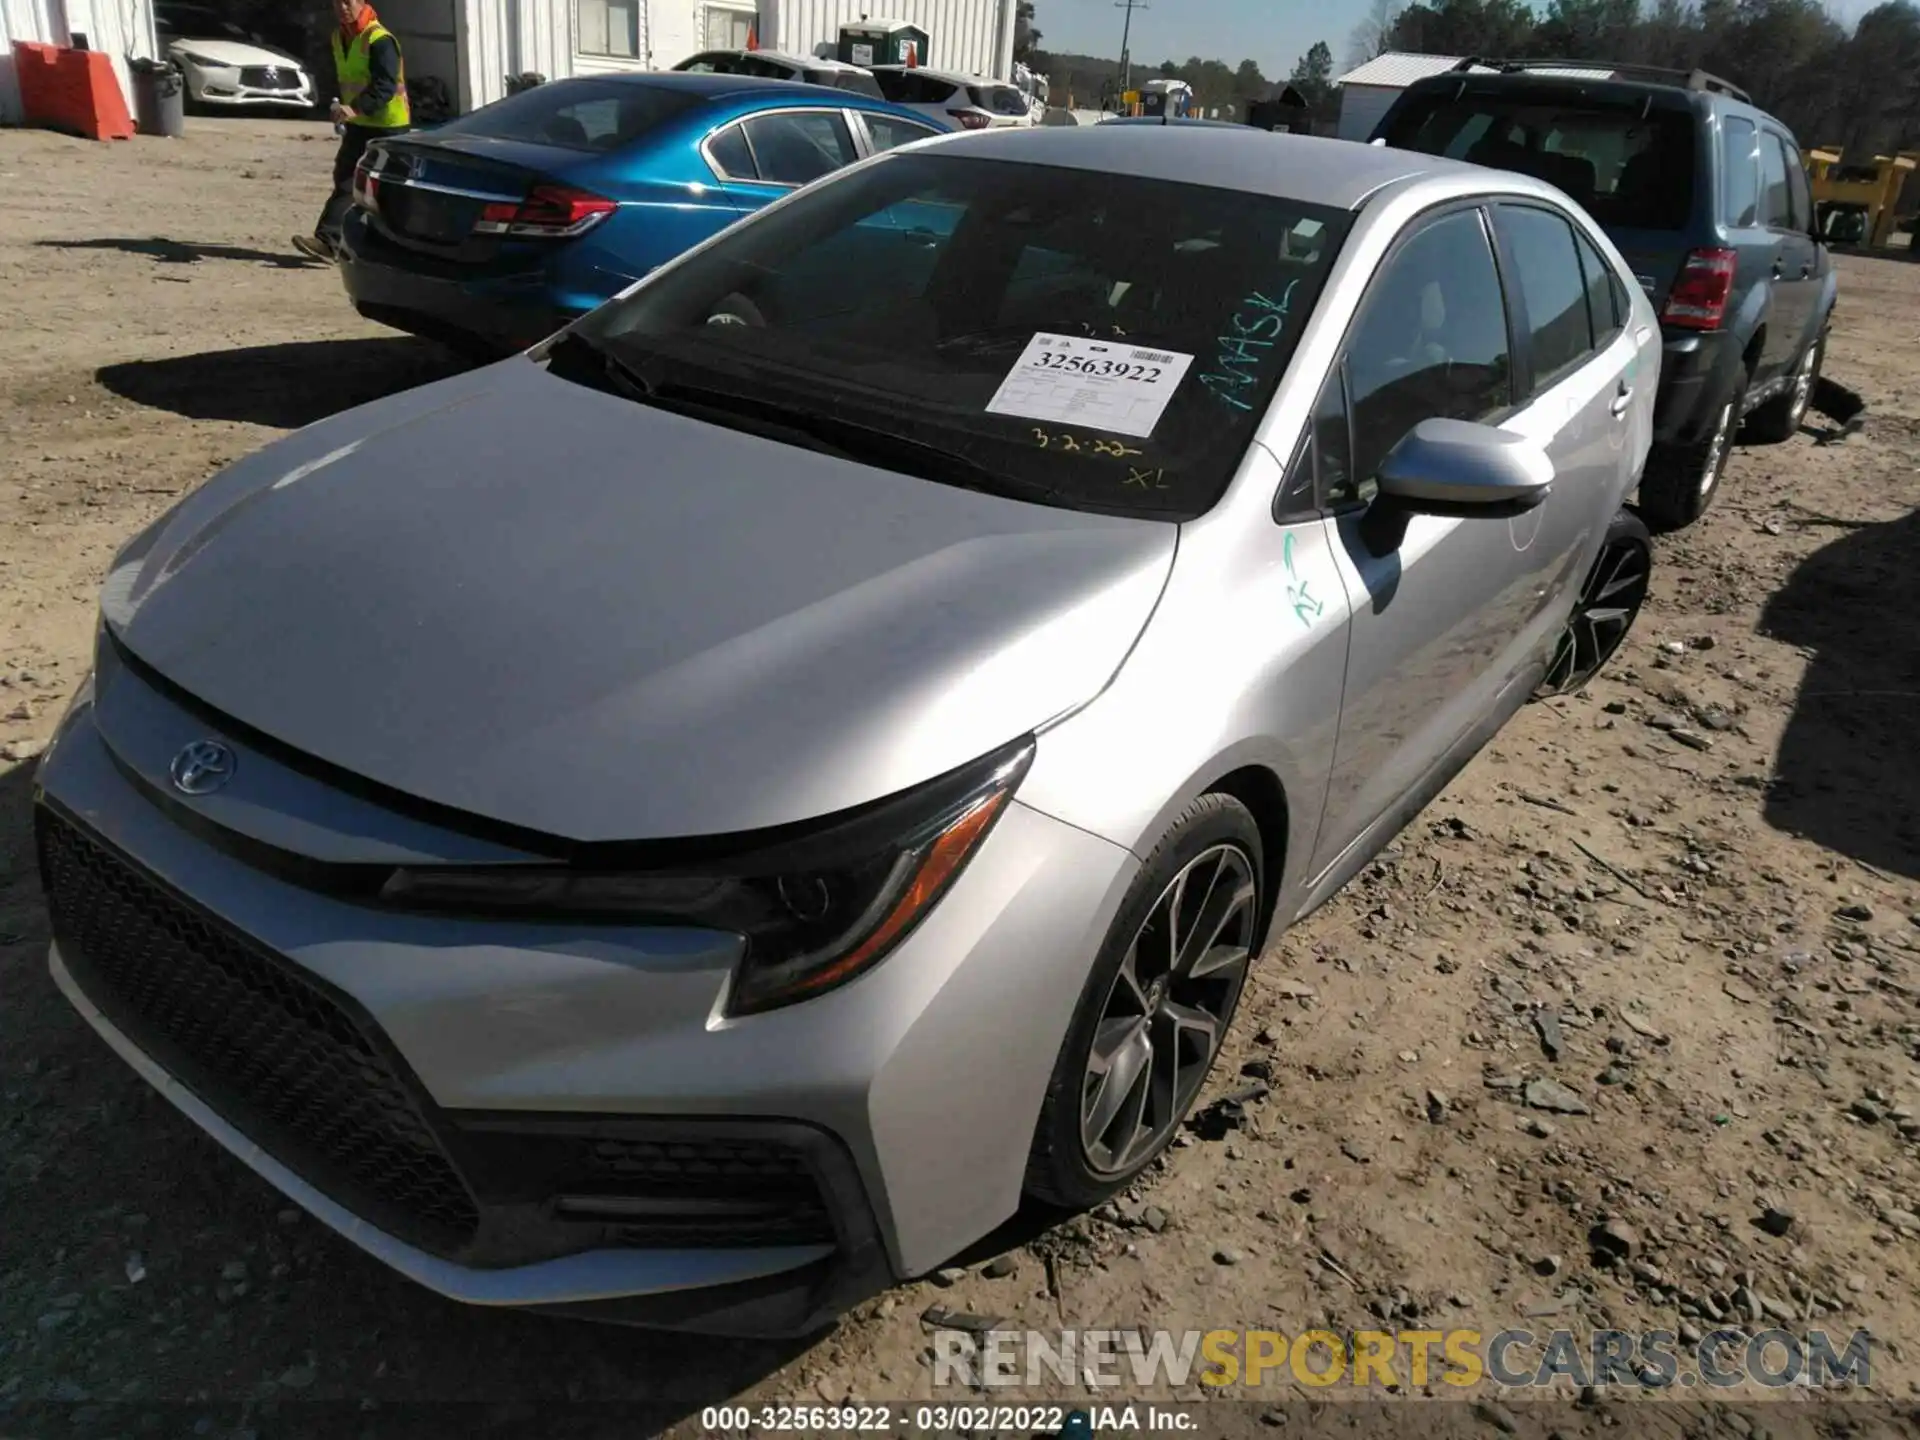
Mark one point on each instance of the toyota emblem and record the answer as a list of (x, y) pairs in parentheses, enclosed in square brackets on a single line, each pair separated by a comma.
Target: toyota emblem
[(202, 768)]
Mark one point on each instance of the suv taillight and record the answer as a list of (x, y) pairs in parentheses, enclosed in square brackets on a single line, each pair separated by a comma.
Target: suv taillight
[(555, 211), (1698, 299), (971, 119)]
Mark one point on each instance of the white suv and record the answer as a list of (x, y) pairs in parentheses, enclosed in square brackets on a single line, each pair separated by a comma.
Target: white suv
[(960, 102)]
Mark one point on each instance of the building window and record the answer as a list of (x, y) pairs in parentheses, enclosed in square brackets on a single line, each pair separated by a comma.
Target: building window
[(609, 27), (729, 27)]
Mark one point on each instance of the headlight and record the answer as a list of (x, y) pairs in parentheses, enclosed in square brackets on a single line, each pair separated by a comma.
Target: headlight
[(816, 906), (202, 61)]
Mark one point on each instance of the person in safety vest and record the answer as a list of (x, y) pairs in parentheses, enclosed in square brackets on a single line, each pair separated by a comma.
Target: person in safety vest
[(372, 104)]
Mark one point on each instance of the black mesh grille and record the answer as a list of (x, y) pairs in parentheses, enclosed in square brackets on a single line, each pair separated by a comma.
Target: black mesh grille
[(709, 1191), (755, 1167), (270, 1050), (262, 77)]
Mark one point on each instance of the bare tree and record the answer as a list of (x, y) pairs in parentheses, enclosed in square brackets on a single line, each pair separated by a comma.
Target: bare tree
[(1372, 35)]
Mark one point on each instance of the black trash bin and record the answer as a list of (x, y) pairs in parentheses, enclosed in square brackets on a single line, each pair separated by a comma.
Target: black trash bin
[(159, 97)]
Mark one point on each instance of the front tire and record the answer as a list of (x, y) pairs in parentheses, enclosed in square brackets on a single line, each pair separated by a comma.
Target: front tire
[(1680, 481), (1155, 1008)]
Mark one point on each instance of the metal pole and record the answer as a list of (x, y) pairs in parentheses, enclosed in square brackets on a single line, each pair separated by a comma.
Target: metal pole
[(1126, 34)]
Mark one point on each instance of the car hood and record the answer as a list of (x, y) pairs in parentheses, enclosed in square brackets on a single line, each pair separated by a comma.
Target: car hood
[(233, 52), (555, 608)]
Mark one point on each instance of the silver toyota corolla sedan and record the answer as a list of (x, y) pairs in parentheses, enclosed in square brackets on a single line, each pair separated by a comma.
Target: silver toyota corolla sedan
[(694, 823)]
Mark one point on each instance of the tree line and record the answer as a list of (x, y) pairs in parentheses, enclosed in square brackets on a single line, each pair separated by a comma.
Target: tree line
[(1855, 87)]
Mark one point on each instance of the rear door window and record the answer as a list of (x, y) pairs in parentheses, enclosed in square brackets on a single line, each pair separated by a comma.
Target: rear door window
[(1776, 195), (592, 115), (1552, 287), (795, 147), (1799, 202), (731, 155), (1605, 293), (1629, 166), (887, 131), (1742, 165)]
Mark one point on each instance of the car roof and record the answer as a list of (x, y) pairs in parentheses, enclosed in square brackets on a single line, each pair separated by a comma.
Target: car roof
[(1174, 120), (709, 85), (1340, 173), (779, 56)]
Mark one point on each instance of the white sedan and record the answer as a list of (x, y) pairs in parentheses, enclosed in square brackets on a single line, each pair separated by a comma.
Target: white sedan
[(225, 66)]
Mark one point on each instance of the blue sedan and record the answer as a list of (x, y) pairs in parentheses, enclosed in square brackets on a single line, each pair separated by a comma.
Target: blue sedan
[(492, 231)]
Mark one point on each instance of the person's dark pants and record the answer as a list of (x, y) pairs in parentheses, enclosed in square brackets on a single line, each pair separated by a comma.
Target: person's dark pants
[(353, 145)]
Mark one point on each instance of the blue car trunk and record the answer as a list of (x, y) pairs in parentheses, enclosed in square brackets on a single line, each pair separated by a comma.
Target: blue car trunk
[(444, 195)]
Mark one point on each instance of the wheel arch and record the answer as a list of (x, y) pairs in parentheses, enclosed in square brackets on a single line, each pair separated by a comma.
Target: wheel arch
[(1264, 794)]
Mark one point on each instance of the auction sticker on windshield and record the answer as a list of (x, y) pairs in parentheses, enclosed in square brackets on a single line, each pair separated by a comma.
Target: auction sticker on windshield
[(1095, 384)]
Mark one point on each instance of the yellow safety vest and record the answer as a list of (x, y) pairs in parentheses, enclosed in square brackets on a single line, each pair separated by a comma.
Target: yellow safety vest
[(353, 64)]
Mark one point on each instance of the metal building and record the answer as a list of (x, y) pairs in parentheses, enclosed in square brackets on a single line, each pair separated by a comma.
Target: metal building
[(1368, 91), (121, 29), (474, 45)]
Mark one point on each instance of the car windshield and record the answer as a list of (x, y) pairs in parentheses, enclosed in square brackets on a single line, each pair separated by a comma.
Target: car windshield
[(1095, 341), (1631, 166), (594, 115)]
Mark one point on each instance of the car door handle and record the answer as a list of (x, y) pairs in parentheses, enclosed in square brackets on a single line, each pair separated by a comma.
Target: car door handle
[(1779, 267), (1806, 270), (1621, 401)]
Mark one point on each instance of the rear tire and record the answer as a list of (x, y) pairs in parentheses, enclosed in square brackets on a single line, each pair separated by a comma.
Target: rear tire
[(1155, 1008), (1680, 481), (1780, 418)]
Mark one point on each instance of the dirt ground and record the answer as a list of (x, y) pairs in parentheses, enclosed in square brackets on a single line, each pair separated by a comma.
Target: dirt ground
[(1690, 896)]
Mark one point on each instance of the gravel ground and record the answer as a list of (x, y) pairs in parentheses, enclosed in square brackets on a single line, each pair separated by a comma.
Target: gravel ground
[(1643, 979)]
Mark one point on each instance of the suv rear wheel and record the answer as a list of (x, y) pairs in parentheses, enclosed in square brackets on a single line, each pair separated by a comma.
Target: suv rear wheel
[(1779, 419), (1680, 481)]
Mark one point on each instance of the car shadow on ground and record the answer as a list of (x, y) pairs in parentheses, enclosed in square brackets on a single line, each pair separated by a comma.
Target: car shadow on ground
[(186, 252), (125, 1218), (284, 386), (1845, 777)]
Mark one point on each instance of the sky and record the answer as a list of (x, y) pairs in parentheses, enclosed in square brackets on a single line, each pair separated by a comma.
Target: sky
[(1276, 33)]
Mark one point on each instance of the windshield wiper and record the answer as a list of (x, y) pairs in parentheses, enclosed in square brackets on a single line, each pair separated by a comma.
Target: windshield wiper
[(853, 440), (843, 439), (606, 370)]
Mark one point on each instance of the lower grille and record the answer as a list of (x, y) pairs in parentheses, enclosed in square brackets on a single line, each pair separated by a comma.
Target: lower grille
[(268, 1048), (266, 77), (718, 1192)]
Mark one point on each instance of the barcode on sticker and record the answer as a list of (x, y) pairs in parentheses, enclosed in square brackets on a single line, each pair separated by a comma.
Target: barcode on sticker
[(1153, 357)]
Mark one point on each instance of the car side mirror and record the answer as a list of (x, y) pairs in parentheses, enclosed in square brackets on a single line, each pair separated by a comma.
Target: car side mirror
[(1454, 468), (1458, 468)]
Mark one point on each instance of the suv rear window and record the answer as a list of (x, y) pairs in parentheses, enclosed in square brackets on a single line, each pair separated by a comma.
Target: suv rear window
[(1000, 99), (851, 80), (1629, 166), (912, 87), (594, 115)]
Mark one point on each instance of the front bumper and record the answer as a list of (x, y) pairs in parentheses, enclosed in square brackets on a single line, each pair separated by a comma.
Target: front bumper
[(227, 87), (482, 1065), (1696, 371)]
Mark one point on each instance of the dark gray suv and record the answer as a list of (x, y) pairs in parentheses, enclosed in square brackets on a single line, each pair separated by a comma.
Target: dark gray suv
[(1707, 199)]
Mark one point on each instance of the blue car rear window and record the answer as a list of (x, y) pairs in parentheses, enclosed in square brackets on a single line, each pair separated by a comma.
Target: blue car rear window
[(589, 115)]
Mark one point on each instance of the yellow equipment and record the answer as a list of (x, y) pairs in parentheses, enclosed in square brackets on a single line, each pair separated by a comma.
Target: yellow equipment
[(1855, 203)]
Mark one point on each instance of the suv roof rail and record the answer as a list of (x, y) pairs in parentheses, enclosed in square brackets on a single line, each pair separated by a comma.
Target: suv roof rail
[(1685, 79)]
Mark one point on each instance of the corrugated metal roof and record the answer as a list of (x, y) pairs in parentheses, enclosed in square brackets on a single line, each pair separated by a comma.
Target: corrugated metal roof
[(1397, 68)]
